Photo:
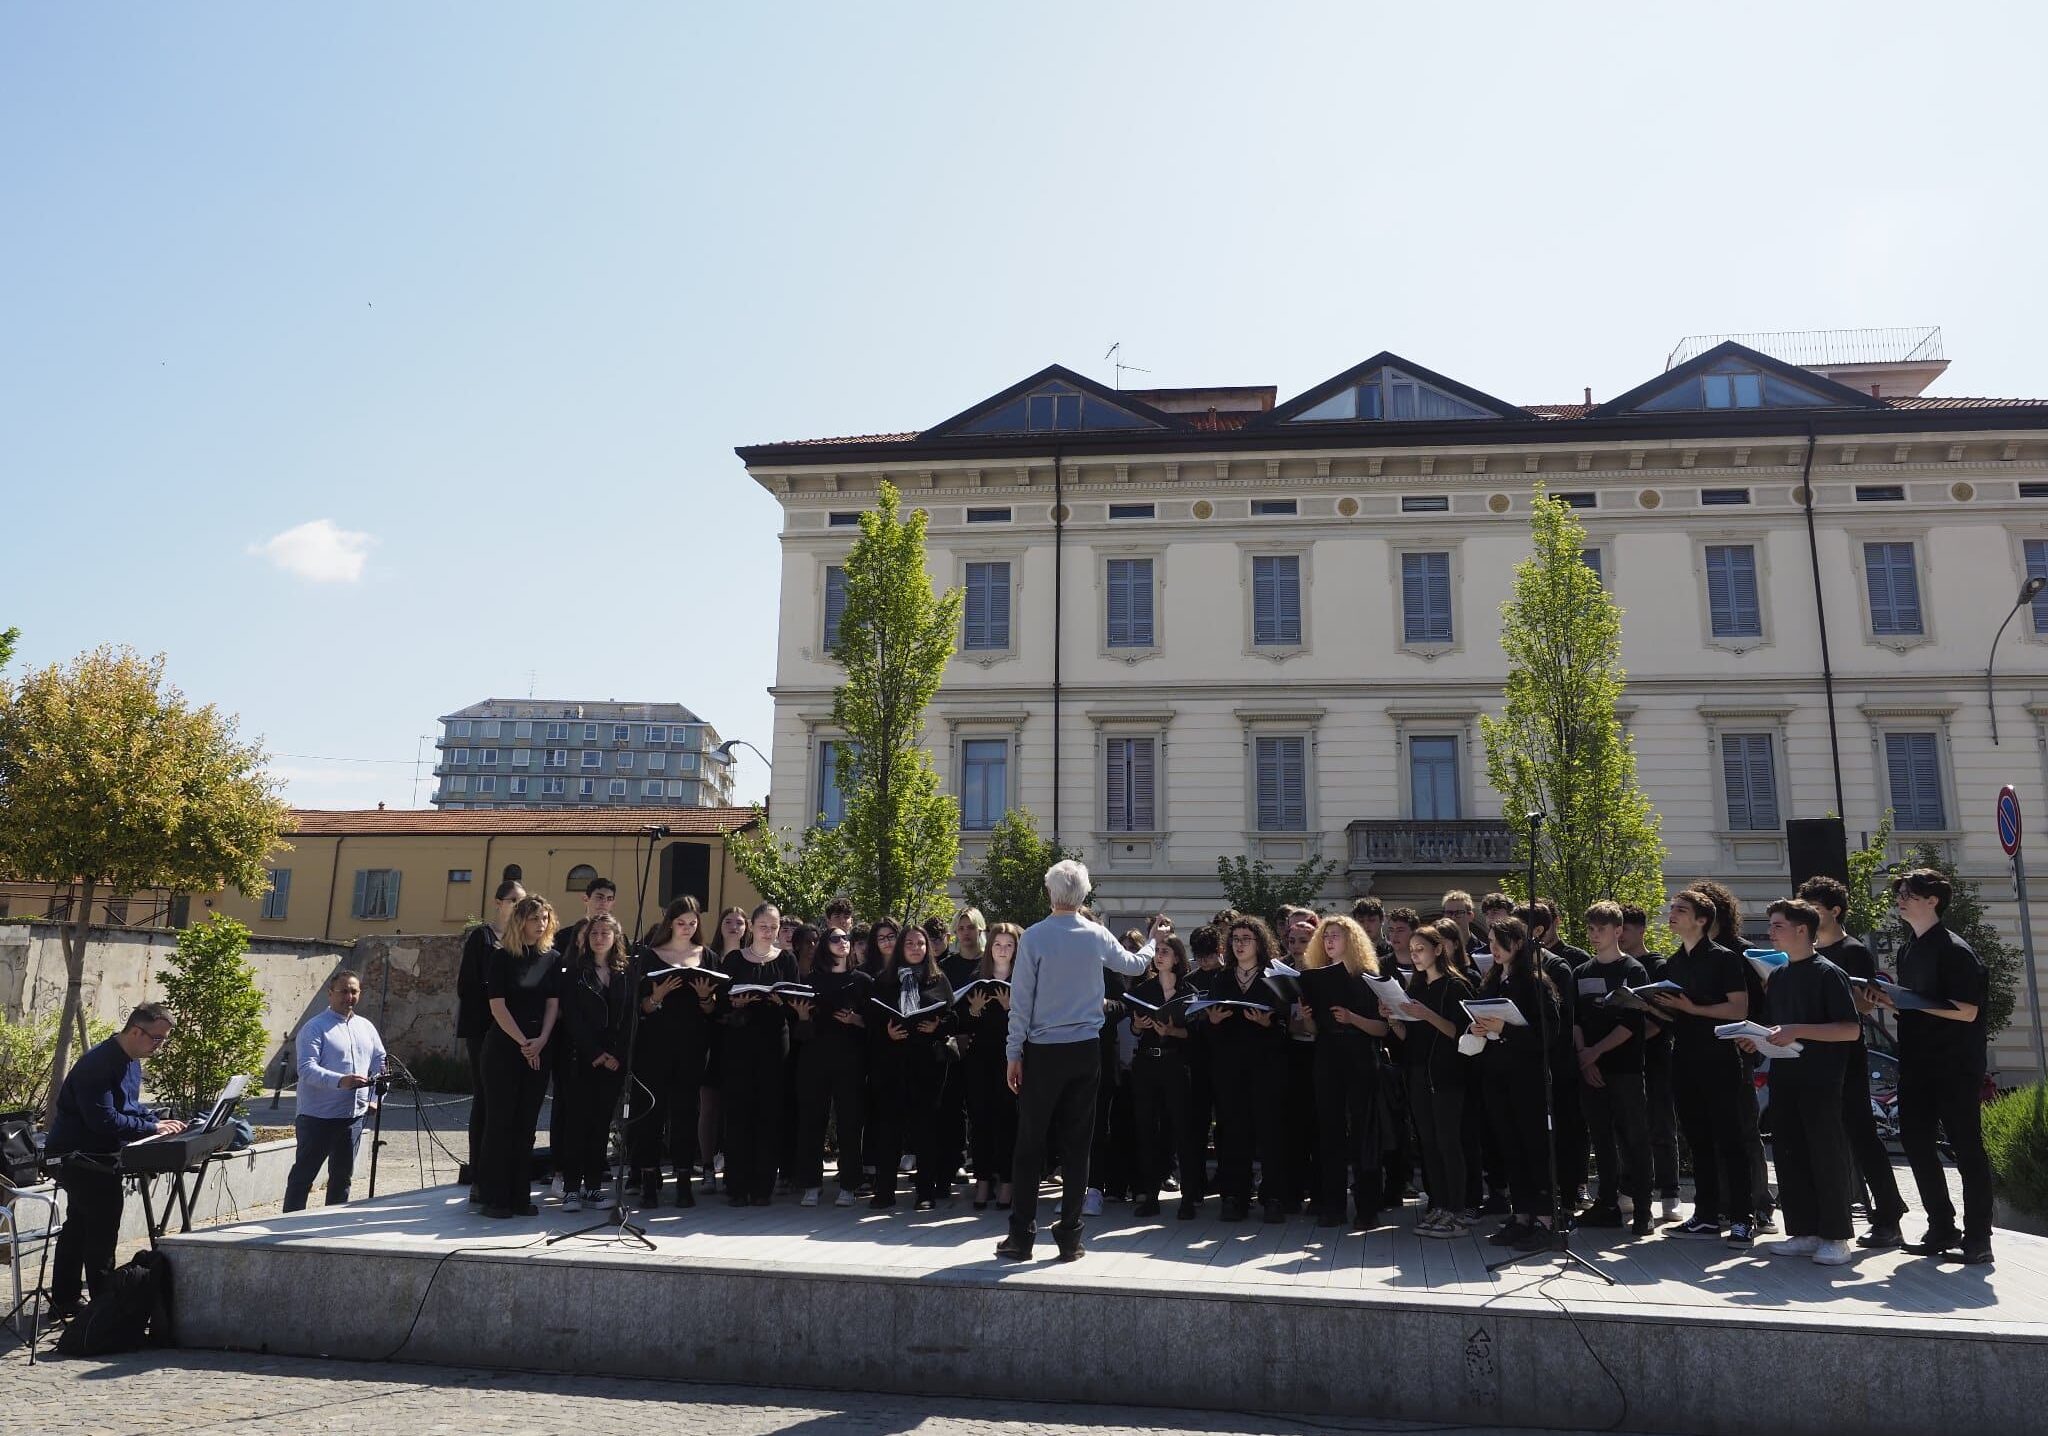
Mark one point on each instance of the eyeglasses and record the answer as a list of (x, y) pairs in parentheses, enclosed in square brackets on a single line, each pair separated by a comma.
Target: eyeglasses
[(155, 1039), (1243, 937), (835, 937)]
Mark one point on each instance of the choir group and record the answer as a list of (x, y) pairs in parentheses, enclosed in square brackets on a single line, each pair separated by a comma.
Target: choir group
[(1346, 1065)]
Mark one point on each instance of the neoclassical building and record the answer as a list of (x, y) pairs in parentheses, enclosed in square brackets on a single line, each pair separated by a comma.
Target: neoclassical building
[(1209, 621)]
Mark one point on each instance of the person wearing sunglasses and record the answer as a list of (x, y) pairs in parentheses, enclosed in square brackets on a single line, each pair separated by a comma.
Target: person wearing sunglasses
[(830, 1063), (99, 1111)]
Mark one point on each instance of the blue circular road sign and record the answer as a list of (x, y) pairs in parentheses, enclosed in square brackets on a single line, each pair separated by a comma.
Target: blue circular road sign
[(2009, 820)]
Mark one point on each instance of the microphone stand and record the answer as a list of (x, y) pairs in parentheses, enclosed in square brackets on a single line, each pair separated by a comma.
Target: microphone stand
[(1560, 1239), (618, 1217), (379, 1090)]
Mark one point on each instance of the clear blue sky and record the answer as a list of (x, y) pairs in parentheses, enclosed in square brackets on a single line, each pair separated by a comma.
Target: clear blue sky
[(499, 286)]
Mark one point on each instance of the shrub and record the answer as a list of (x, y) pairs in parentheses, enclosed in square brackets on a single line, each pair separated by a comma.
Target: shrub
[(26, 1050), (441, 1073), (2016, 1137), (217, 1015)]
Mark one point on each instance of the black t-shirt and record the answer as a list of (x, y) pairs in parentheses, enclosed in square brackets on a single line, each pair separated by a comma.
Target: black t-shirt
[(1537, 1000), (1593, 980), (837, 992), (1154, 992), (1707, 973), (480, 947), (1423, 1049), (526, 985), (766, 1018), (1855, 960), (1811, 991), (1559, 968), (1938, 964), (1653, 968), (1326, 988)]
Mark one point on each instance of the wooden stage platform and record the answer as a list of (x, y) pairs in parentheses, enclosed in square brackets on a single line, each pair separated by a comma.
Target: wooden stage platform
[(1692, 1337)]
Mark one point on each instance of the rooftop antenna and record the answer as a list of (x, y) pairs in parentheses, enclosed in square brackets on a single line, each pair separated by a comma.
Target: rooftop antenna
[(1119, 364), (532, 678)]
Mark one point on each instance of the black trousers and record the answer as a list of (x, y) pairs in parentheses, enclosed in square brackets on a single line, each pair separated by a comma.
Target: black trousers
[(479, 1107), (514, 1091), (1400, 1147), (1484, 1172), (1710, 1089), (1931, 1097), (1251, 1082), (1440, 1127), (1873, 1162), (582, 1151), (953, 1119), (1055, 1109), (1162, 1105), (1514, 1109), (1347, 1098), (1111, 1149), (750, 1098), (1301, 1126), (906, 1092), (92, 1231), (1663, 1115), (1201, 1113), (1815, 1171), (661, 1118), (1569, 1133), (1618, 1118), (991, 1114), (1760, 1197), (828, 1091)]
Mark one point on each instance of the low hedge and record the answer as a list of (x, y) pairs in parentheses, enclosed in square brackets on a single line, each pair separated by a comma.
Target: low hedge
[(2016, 1138)]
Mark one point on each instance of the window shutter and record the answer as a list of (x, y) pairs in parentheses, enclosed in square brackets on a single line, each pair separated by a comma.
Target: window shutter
[(1894, 586), (1763, 784), (1414, 598), (1116, 785), (835, 608), (1288, 592), (2037, 567), (1735, 776), (1119, 603), (1142, 818), (362, 893), (1264, 601), (1927, 782), (998, 583), (1914, 768), (1293, 790), (974, 624), (392, 877), (1140, 600), (1267, 751)]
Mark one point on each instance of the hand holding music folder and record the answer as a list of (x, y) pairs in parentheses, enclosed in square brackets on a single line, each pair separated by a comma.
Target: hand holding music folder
[(930, 1009), (1759, 1034), (1641, 999), (1905, 999), (1497, 1009), (984, 986)]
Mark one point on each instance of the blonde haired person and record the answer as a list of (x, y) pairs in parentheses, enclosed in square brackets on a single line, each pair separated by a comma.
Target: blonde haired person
[(525, 991), (1347, 1070)]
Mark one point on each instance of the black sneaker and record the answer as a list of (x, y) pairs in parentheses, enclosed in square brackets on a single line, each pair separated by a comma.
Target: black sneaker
[(1641, 1226), (1766, 1221), (1882, 1236), (1189, 1209), (1741, 1235), (1510, 1234), (1600, 1215), (1976, 1253), (1534, 1238), (1013, 1249), (1697, 1227), (1936, 1242)]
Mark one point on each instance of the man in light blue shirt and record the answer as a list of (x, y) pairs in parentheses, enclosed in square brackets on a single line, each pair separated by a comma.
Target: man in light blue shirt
[(340, 1058), (1055, 1055)]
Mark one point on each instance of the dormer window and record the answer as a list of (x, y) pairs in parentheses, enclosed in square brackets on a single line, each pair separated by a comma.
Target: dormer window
[(1390, 394)]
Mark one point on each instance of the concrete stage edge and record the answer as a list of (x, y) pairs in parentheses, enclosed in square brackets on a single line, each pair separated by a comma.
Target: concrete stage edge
[(865, 1318)]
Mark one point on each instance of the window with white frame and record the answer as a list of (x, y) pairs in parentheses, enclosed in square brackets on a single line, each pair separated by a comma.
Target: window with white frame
[(590, 732), (487, 757), (522, 757), (557, 758), (657, 762), (1276, 600), (376, 895), (553, 787), (593, 758), (625, 760), (458, 757), (1433, 794), (516, 787), (586, 787), (487, 729), (650, 788), (1733, 607), (522, 730), (557, 733), (985, 614), (657, 734), (984, 782), (458, 783), (617, 788), (1749, 779), (1281, 782), (677, 787), (1130, 785), (1127, 583), (1426, 597), (622, 732), (458, 728), (486, 783), (1892, 579), (1913, 768)]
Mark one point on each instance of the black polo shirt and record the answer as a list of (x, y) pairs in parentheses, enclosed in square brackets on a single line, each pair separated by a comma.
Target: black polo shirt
[(1811, 991), (1939, 965), (1592, 981)]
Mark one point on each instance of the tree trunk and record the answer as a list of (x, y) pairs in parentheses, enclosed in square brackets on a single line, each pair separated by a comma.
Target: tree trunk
[(76, 935)]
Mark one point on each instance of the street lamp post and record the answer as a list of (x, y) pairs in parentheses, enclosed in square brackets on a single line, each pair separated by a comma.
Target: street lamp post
[(723, 754), (2028, 590)]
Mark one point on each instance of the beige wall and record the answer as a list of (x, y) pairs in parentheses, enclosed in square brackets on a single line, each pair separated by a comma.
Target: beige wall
[(324, 868), (1356, 690)]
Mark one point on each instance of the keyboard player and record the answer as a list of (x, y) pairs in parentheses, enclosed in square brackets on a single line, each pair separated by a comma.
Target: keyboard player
[(99, 1111)]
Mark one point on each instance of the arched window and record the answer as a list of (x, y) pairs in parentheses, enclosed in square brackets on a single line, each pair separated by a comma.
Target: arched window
[(513, 873), (580, 877)]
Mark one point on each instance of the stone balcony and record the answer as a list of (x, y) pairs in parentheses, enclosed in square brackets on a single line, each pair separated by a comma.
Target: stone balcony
[(1395, 844)]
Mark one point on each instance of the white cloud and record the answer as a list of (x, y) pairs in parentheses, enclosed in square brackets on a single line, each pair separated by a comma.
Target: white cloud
[(318, 552)]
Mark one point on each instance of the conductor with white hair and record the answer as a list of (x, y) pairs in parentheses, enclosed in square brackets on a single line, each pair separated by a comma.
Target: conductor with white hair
[(1055, 1054)]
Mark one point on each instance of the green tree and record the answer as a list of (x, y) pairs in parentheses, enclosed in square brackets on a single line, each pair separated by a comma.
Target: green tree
[(110, 779), (26, 1048), (800, 878), (1558, 745), (1870, 898), (217, 1013), (8, 638), (1009, 883), (1250, 886), (901, 833)]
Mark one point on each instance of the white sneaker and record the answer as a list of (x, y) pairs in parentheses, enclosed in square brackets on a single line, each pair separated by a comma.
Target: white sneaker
[(598, 1201), (555, 1188), (906, 1164), (1091, 1205), (810, 1198), (1669, 1208), (1834, 1254), (844, 1199), (573, 1202), (1793, 1246)]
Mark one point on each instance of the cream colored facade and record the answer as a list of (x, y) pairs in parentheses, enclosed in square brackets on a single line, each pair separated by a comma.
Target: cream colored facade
[(1358, 693)]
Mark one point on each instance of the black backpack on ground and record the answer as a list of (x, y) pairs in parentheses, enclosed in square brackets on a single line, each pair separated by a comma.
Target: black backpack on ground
[(18, 1161), (132, 1309)]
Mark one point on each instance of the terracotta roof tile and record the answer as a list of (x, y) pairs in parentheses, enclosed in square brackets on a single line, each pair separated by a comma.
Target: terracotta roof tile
[(683, 822), (1559, 411), (1950, 401), (854, 439), (1221, 420)]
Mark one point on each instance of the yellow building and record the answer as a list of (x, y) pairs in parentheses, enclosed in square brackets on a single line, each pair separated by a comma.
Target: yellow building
[(368, 872)]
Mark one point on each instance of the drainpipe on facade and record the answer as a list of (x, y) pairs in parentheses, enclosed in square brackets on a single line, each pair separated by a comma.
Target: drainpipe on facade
[(1059, 549), (333, 880), (1820, 615)]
